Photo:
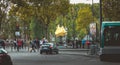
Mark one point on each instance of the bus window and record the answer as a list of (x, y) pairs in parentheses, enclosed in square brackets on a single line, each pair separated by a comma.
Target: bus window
[(112, 36)]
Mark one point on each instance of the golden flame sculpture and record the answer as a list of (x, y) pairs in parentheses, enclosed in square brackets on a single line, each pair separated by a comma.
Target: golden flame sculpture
[(60, 31)]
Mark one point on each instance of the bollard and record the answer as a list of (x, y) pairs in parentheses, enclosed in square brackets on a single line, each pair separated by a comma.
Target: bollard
[(93, 49)]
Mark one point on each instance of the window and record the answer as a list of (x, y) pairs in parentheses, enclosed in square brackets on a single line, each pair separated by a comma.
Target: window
[(112, 36)]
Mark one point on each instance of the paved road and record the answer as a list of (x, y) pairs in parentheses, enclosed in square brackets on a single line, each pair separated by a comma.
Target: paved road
[(26, 58)]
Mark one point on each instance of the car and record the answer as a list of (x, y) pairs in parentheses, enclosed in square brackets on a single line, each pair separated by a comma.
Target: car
[(49, 48), (5, 59), (2, 43)]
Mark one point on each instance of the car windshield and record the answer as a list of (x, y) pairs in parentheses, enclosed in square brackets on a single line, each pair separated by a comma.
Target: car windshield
[(48, 44), (112, 36)]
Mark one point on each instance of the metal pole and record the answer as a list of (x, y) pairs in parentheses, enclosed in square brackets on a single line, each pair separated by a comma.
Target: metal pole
[(74, 23), (92, 10), (100, 18), (93, 19)]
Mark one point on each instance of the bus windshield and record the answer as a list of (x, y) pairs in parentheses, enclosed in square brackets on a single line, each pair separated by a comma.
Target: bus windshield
[(112, 36)]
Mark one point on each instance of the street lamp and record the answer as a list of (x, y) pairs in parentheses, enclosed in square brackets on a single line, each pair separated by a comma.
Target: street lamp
[(92, 10), (100, 17)]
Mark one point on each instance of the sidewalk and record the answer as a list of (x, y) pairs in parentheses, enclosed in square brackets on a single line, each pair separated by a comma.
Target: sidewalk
[(76, 51), (69, 48), (69, 51)]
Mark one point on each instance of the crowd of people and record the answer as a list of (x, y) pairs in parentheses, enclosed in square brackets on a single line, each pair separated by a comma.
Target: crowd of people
[(18, 44), (80, 43), (34, 44)]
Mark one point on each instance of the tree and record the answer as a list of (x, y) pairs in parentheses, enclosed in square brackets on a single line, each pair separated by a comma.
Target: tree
[(84, 19), (44, 11), (96, 10), (4, 7), (111, 10)]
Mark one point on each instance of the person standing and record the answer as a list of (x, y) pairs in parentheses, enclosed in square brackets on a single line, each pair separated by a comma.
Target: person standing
[(19, 44), (73, 43), (37, 44), (83, 43), (77, 42), (88, 44), (80, 43), (15, 44)]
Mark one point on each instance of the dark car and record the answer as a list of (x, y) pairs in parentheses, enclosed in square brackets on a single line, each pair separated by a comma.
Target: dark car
[(2, 43), (49, 48), (5, 59)]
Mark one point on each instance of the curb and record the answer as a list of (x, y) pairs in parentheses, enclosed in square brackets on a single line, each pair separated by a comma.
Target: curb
[(82, 54)]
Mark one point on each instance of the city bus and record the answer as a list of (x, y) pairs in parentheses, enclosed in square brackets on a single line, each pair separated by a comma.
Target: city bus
[(110, 41)]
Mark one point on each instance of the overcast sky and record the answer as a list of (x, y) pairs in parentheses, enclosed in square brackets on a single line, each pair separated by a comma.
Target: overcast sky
[(84, 1)]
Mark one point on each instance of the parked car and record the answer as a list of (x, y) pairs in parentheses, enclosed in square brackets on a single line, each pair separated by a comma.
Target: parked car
[(2, 43), (49, 48), (5, 59)]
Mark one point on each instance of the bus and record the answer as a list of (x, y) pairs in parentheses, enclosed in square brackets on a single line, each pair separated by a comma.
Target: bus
[(110, 41)]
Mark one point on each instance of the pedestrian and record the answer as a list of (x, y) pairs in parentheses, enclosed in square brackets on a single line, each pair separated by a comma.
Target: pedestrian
[(88, 44), (32, 46), (15, 44), (83, 43), (77, 42), (41, 42), (73, 44), (22, 44), (80, 43), (12, 44), (37, 44), (19, 44), (44, 40)]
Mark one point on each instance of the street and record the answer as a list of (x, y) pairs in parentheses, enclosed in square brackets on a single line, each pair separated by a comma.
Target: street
[(27, 58), (80, 32)]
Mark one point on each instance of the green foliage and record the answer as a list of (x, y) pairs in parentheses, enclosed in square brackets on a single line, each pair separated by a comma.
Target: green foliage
[(79, 13), (111, 10), (4, 4), (44, 11), (35, 26), (32, 26), (82, 33), (86, 15), (42, 16), (96, 10), (84, 18)]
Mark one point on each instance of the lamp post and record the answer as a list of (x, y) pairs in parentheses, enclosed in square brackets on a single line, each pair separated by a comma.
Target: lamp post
[(100, 17), (92, 10), (94, 36)]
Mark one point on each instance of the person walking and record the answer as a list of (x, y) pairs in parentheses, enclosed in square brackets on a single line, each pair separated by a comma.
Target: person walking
[(32, 46), (15, 44)]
